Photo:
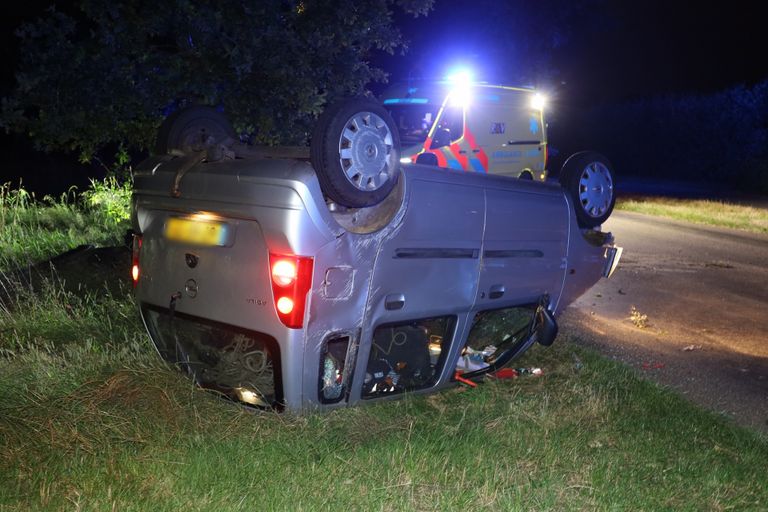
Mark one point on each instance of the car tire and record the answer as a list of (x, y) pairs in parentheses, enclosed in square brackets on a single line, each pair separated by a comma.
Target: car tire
[(355, 152), (192, 129), (588, 178)]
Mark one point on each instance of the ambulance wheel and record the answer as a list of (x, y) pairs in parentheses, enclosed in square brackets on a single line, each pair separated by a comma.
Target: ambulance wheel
[(588, 178), (355, 151), (194, 128)]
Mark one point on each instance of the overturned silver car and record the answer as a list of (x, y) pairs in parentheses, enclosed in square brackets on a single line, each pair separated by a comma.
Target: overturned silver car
[(307, 280)]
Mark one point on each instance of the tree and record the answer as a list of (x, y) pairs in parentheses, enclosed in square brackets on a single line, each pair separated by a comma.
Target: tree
[(513, 42), (108, 71)]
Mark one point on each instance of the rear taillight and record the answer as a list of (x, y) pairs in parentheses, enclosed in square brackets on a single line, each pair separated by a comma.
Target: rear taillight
[(136, 250), (291, 278)]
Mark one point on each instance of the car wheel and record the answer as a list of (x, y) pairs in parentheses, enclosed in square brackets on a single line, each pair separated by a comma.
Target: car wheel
[(192, 129), (589, 179), (355, 152)]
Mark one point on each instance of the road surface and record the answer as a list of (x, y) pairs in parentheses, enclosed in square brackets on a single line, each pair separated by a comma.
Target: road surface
[(705, 294)]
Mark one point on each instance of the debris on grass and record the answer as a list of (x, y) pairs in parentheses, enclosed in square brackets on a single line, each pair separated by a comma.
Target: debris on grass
[(529, 371), (640, 320), (457, 376), (505, 373), (691, 348), (577, 364)]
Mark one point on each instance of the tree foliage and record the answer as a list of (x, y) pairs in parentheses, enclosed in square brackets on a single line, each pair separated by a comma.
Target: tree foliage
[(108, 71)]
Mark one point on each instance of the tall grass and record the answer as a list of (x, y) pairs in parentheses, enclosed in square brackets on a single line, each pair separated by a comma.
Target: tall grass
[(91, 419), (33, 230), (52, 317), (125, 433)]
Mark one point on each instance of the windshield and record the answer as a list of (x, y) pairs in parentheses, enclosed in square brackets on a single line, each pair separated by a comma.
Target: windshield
[(413, 122)]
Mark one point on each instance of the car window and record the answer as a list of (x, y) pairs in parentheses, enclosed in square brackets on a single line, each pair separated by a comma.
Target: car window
[(407, 356), (499, 326), (493, 333), (334, 378)]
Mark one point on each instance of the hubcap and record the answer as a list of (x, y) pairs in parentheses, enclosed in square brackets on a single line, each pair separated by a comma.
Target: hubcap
[(595, 189), (365, 151)]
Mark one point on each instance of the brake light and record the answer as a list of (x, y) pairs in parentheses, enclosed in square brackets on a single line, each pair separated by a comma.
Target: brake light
[(291, 280), (135, 251), (285, 305), (284, 272)]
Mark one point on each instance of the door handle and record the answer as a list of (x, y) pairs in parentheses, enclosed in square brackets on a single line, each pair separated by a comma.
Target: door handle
[(462, 151), (496, 291), (476, 150), (394, 301)]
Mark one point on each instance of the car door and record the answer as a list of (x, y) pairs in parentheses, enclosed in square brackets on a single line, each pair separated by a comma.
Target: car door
[(424, 284), (525, 245)]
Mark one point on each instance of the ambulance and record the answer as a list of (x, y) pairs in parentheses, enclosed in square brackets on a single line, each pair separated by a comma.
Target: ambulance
[(496, 129)]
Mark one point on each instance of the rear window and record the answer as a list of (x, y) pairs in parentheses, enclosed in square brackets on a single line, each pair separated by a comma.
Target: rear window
[(239, 364)]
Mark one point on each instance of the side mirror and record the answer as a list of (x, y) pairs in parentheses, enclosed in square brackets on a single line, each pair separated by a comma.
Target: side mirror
[(427, 159), (544, 326), (442, 138)]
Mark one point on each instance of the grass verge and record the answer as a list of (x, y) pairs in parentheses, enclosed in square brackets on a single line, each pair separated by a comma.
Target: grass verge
[(91, 419), (700, 211), (102, 424)]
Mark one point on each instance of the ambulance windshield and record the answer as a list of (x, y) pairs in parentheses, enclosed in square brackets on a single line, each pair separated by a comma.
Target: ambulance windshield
[(413, 122)]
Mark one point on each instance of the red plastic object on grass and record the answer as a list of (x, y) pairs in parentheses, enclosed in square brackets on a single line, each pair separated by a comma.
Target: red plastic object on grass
[(461, 379), (505, 373)]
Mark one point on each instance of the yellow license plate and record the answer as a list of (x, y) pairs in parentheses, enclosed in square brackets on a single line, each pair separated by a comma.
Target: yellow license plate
[(196, 232)]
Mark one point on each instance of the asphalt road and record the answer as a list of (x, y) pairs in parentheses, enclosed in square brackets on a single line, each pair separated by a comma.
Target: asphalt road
[(705, 294)]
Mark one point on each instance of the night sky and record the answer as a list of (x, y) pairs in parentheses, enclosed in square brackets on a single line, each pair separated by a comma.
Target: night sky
[(656, 47), (607, 50), (584, 52)]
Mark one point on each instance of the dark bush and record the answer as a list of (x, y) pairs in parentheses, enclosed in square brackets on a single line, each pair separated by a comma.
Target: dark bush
[(720, 137)]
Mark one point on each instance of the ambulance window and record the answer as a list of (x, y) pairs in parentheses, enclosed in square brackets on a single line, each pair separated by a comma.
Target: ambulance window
[(453, 121), (413, 122)]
